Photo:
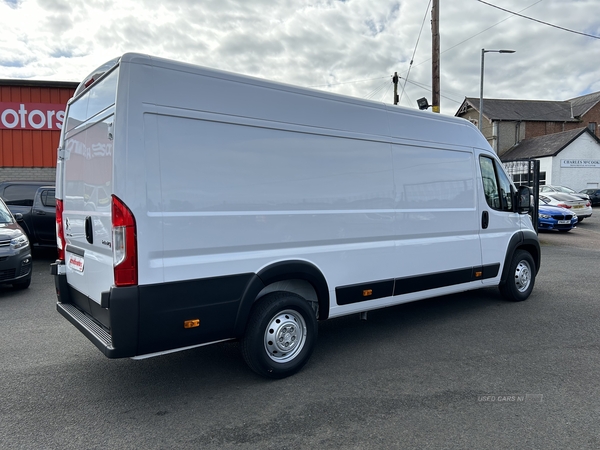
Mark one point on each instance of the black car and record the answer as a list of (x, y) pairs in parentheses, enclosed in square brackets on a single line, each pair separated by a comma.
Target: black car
[(565, 190), (34, 206), (594, 195), (15, 253)]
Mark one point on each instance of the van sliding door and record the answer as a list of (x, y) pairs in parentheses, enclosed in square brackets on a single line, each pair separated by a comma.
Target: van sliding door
[(437, 219)]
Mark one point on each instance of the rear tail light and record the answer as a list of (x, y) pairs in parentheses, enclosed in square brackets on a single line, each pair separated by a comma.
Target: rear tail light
[(60, 232), (564, 205), (124, 244)]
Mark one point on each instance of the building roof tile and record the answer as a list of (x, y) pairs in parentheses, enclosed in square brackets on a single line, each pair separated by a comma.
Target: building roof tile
[(544, 146)]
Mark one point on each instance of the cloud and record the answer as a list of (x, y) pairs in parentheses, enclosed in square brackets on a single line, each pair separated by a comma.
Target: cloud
[(14, 4), (16, 62), (322, 43)]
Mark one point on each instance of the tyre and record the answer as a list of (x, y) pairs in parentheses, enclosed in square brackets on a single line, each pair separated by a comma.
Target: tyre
[(22, 284), (280, 336), (520, 279)]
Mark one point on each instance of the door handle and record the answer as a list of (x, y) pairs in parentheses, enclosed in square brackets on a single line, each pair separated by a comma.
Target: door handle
[(89, 231), (485, 220)]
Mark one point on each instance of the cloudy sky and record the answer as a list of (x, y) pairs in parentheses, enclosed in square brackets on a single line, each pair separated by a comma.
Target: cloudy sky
[(350, 47)]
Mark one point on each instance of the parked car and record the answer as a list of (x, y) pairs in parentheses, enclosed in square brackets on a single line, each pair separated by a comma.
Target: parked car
[(555, 218), (35, 202), (583, 208), (564, 189), (594, 195), (15, 253)]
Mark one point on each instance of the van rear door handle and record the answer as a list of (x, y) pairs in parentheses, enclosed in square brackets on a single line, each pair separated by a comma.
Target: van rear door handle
[(485, 220), (89, 232)]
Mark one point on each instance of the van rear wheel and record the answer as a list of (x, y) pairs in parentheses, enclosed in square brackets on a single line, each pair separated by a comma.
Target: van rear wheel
[(520, 279), (280, 336)]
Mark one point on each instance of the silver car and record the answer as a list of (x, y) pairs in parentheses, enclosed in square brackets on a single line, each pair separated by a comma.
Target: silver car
[(15, 253), (581, 207)]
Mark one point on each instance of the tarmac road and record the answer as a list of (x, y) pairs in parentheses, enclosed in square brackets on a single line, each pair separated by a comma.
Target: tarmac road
[(462, 371)]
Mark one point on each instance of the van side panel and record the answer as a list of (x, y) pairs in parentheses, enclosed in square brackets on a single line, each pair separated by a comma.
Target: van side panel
[(241, 197), (225, 94)]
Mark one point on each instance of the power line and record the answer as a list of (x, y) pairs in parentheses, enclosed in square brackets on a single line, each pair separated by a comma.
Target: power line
[(347, 82), (386, 92), (481, 32), (377, 90), (488, 28), (539, 21), (428, 88), (462, 42), (427, 60), (414, 51)]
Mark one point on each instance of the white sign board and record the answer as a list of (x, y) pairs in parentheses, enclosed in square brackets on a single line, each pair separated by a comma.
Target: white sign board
[(580, 163)]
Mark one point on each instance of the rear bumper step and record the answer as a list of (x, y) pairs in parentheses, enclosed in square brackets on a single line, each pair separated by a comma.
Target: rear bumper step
[(92, 330)]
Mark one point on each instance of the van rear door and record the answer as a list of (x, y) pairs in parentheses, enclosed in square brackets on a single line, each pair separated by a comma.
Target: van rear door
[(87, 185)]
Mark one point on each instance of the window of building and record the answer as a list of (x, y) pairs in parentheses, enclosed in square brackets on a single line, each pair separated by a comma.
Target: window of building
[(523, 178)]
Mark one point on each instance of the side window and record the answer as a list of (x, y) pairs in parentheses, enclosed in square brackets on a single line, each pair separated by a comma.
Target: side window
[(506, 194), (48, 199), (19, 195), (496, 186), (490, 187)]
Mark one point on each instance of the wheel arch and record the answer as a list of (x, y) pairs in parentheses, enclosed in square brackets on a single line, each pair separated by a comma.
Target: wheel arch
[(294, 273), (527, 241)]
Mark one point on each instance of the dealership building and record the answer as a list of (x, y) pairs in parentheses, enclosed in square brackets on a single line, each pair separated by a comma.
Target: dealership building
[(31, 117)]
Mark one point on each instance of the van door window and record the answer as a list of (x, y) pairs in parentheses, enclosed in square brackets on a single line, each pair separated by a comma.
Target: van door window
[(505, 190), (496, 186)]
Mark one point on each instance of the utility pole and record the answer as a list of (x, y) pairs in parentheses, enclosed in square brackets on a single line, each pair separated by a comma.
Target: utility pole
[(395, 80), (435, 56)]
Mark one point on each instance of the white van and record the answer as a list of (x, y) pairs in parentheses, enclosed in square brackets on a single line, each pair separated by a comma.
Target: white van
[(196, 206)]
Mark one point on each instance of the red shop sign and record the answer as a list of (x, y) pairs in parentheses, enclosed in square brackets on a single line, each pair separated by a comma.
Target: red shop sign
[(31, 116)]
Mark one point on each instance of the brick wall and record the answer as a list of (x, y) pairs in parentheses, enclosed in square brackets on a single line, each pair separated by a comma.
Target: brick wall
[(535, 129), (28, 173), (593, 116)]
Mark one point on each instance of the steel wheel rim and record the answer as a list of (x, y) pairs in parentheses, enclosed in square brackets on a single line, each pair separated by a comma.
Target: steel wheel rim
[(522, 276), (285, 336)]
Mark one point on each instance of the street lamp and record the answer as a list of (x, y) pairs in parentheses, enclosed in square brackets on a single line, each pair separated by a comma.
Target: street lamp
[(483, 52)]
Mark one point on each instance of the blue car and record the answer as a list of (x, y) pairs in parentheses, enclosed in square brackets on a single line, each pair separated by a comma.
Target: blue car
[(555, 218)]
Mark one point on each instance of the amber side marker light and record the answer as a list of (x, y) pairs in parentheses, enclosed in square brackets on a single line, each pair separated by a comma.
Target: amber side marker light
[(367, 292), (478, 274), (191, 323)]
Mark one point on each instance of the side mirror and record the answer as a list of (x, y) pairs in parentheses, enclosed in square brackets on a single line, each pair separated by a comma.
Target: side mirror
[(524, 201), (18, 216)]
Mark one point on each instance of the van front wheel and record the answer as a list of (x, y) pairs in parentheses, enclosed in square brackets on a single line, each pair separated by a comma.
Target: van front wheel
[(280, 336), (521, 277)]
